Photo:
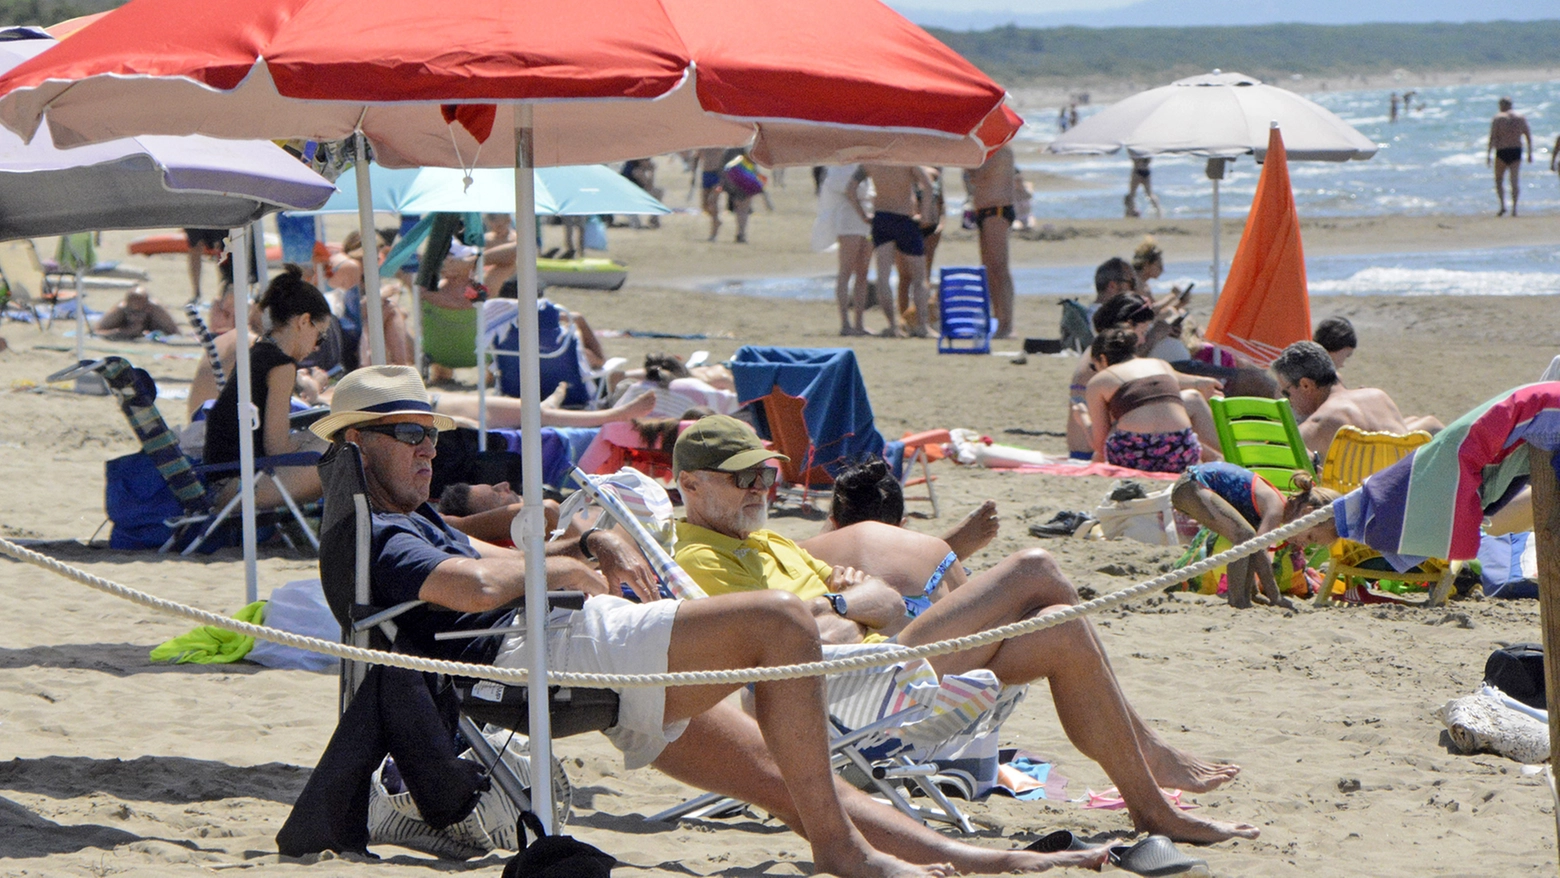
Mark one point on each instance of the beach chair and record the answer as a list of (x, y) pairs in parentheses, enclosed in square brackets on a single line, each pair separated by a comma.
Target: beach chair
[(331, 812), (812, 405), (1261, 435), (561, 352), (1354, 456), (963, 311), (192, 517), (28, 284), (449, 336)]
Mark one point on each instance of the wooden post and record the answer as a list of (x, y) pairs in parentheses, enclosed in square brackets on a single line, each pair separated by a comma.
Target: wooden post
[(1546, 530)]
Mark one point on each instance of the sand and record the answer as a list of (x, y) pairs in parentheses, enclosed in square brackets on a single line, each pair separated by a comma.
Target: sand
[(121, 767)]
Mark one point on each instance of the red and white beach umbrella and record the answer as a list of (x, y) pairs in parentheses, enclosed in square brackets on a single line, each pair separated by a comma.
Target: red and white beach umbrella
[(521, 83)]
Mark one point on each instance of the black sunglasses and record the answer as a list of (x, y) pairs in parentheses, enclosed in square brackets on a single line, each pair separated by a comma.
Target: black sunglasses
[(408, 434), (745, 479)]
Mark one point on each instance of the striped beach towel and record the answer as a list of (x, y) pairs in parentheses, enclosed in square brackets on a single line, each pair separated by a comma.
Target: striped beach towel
[(1432, 503)]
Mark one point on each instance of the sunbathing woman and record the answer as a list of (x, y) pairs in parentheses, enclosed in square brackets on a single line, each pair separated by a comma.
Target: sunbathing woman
[(1137, 416), (296, 315), (1236, 504)]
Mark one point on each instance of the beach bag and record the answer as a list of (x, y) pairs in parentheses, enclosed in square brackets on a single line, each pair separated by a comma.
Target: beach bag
[(742, 179), (1149, 519), (556, 856), (393, 817), (595, 234), (1076, 330), (1518, 671), (138, 501)]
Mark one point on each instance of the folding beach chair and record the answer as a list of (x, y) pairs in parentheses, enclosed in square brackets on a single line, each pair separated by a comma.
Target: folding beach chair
[(813, 406), (449, 336), (963, 311), (29, 287), (196, 518), (1261, 435), (331, 812), (1354, 456)]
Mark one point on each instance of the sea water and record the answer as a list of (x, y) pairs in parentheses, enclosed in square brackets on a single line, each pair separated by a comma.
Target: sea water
[(1430, 161), (1499, 271)]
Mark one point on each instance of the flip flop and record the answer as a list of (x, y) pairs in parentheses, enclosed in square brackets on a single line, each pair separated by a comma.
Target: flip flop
[(1060, 840), (1154, 856)]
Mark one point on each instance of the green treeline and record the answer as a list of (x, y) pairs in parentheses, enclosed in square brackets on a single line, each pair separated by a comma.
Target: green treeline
[(46, 12), (1013, 54)]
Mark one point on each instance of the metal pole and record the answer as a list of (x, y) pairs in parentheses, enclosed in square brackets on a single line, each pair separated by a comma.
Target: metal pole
[(1546, 530), (1216, 231), (262, 262), (375, 315), (248, 415), (81, 302), (531, 513)]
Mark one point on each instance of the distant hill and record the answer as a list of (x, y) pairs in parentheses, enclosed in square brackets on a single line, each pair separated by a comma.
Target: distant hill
[(1196, 13), (1012, 55)]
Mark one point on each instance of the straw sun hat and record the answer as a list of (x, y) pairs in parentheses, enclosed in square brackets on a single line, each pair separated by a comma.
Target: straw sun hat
[(375, 392)]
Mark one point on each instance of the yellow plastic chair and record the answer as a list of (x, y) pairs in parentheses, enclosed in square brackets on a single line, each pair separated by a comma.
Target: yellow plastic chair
[(1262, 436), (1353, 456)]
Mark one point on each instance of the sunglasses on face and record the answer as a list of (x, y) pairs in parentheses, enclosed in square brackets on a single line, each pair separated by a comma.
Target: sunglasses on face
[(408, 434), (746, 479)]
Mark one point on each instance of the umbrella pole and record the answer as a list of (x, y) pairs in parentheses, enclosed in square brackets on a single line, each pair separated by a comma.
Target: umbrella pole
[(248, 417), (262, 263), (81, 310), (1216, 231), (531, 513), (365, 194)]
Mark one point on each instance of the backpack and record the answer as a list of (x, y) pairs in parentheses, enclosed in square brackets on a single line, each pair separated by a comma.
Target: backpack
[(1518, 671), (1077, 332)]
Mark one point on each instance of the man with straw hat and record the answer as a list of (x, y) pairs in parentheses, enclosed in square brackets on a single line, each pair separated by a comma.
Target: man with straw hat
[(385, 411)]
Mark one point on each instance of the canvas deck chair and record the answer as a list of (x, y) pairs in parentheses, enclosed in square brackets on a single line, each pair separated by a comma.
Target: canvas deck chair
[(345, 564), (449, 336), (812, 405), (1261, 435), (561, 351), (28, 283), (1354, 456), (963, 311), (197, 519)]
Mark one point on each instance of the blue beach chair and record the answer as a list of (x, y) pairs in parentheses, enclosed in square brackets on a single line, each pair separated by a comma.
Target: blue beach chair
[(963, 311)]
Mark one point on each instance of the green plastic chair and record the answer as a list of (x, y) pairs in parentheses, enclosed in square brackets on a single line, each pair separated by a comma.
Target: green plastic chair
[(1261, 435), (449, 336)]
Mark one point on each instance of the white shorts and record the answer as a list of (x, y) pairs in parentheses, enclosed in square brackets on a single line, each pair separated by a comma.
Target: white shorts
[(613, 636)]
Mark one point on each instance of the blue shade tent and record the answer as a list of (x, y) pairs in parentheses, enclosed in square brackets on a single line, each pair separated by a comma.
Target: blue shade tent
[(579, 190), (837, 413)]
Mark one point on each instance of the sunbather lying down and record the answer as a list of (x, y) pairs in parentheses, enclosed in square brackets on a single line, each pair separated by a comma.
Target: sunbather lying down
[(503, 412)]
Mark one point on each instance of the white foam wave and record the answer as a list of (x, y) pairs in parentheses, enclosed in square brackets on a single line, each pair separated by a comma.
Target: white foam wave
[(1461, 159), (1439, 282)]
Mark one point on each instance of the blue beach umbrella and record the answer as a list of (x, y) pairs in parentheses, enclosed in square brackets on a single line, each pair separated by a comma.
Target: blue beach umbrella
[(576, 190)]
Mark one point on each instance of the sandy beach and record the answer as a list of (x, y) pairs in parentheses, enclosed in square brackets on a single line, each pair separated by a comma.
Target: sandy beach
[(117, 766)]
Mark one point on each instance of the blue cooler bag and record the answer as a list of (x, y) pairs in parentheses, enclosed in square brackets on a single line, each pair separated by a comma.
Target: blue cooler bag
[(138, 501)]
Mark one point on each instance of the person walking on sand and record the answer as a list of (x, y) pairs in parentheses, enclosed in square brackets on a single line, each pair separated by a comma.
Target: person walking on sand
[(707, 167), (1141, 174), (1507, 131), (1554, 156), (991, 192), (896, 232)]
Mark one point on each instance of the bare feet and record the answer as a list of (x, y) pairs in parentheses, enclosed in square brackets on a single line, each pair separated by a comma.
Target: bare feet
[(891, 332), (1031, 861), (1181, 826), (919, 332), (1176, 769), (555, 399), (639, 407), (975, 531), (869, 863)]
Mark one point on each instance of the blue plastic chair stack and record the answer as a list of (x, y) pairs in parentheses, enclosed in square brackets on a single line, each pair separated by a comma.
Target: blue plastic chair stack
[(964, 311)]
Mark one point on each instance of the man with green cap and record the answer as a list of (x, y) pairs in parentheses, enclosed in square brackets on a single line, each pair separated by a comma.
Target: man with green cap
[(724, 474)]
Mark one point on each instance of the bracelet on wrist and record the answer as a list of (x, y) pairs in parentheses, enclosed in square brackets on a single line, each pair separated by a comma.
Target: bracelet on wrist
[(584, 545)]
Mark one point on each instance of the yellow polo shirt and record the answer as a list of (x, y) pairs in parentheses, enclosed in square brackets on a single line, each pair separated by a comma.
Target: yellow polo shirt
[(723, 565)]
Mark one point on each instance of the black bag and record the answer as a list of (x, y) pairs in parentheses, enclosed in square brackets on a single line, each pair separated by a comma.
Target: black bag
[(556, 856), (1518, 671)]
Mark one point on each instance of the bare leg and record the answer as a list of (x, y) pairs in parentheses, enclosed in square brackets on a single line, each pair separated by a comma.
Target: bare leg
[(975, 531), (707, 635), (723, 751), (712, 208), (858, 295), (854, 256), (915, 268), (1198, 410), (1516, 170), (994, 233), (1500, 185), (885, 254), (1093, 711), (743, 208)]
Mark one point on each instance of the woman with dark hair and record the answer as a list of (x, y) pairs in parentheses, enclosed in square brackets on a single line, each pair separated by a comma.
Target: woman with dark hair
[(296, 315), (1137, 416)]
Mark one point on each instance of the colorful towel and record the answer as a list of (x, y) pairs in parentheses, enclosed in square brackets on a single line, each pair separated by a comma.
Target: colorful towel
[(1431, 503)]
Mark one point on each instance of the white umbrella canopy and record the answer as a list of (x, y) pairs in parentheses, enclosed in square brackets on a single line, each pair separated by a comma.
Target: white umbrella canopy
[(1216, 115)]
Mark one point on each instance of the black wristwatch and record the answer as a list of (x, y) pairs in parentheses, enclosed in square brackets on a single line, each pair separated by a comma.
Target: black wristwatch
[(584, 548), (837, 601)]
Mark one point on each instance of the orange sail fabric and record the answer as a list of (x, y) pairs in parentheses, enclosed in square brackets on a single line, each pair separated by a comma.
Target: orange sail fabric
[(1264, 307)]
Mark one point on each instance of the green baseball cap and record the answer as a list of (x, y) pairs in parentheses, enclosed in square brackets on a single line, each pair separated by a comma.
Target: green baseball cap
[(719, 442)]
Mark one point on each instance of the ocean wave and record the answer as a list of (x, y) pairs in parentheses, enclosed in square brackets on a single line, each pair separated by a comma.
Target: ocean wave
[(1439, 282)]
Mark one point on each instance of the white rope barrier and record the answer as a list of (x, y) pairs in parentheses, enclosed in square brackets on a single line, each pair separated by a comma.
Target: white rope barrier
[(684, 678)]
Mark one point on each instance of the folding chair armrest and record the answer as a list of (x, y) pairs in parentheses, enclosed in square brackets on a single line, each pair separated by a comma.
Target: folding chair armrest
[(381, 616), (301, 420)]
